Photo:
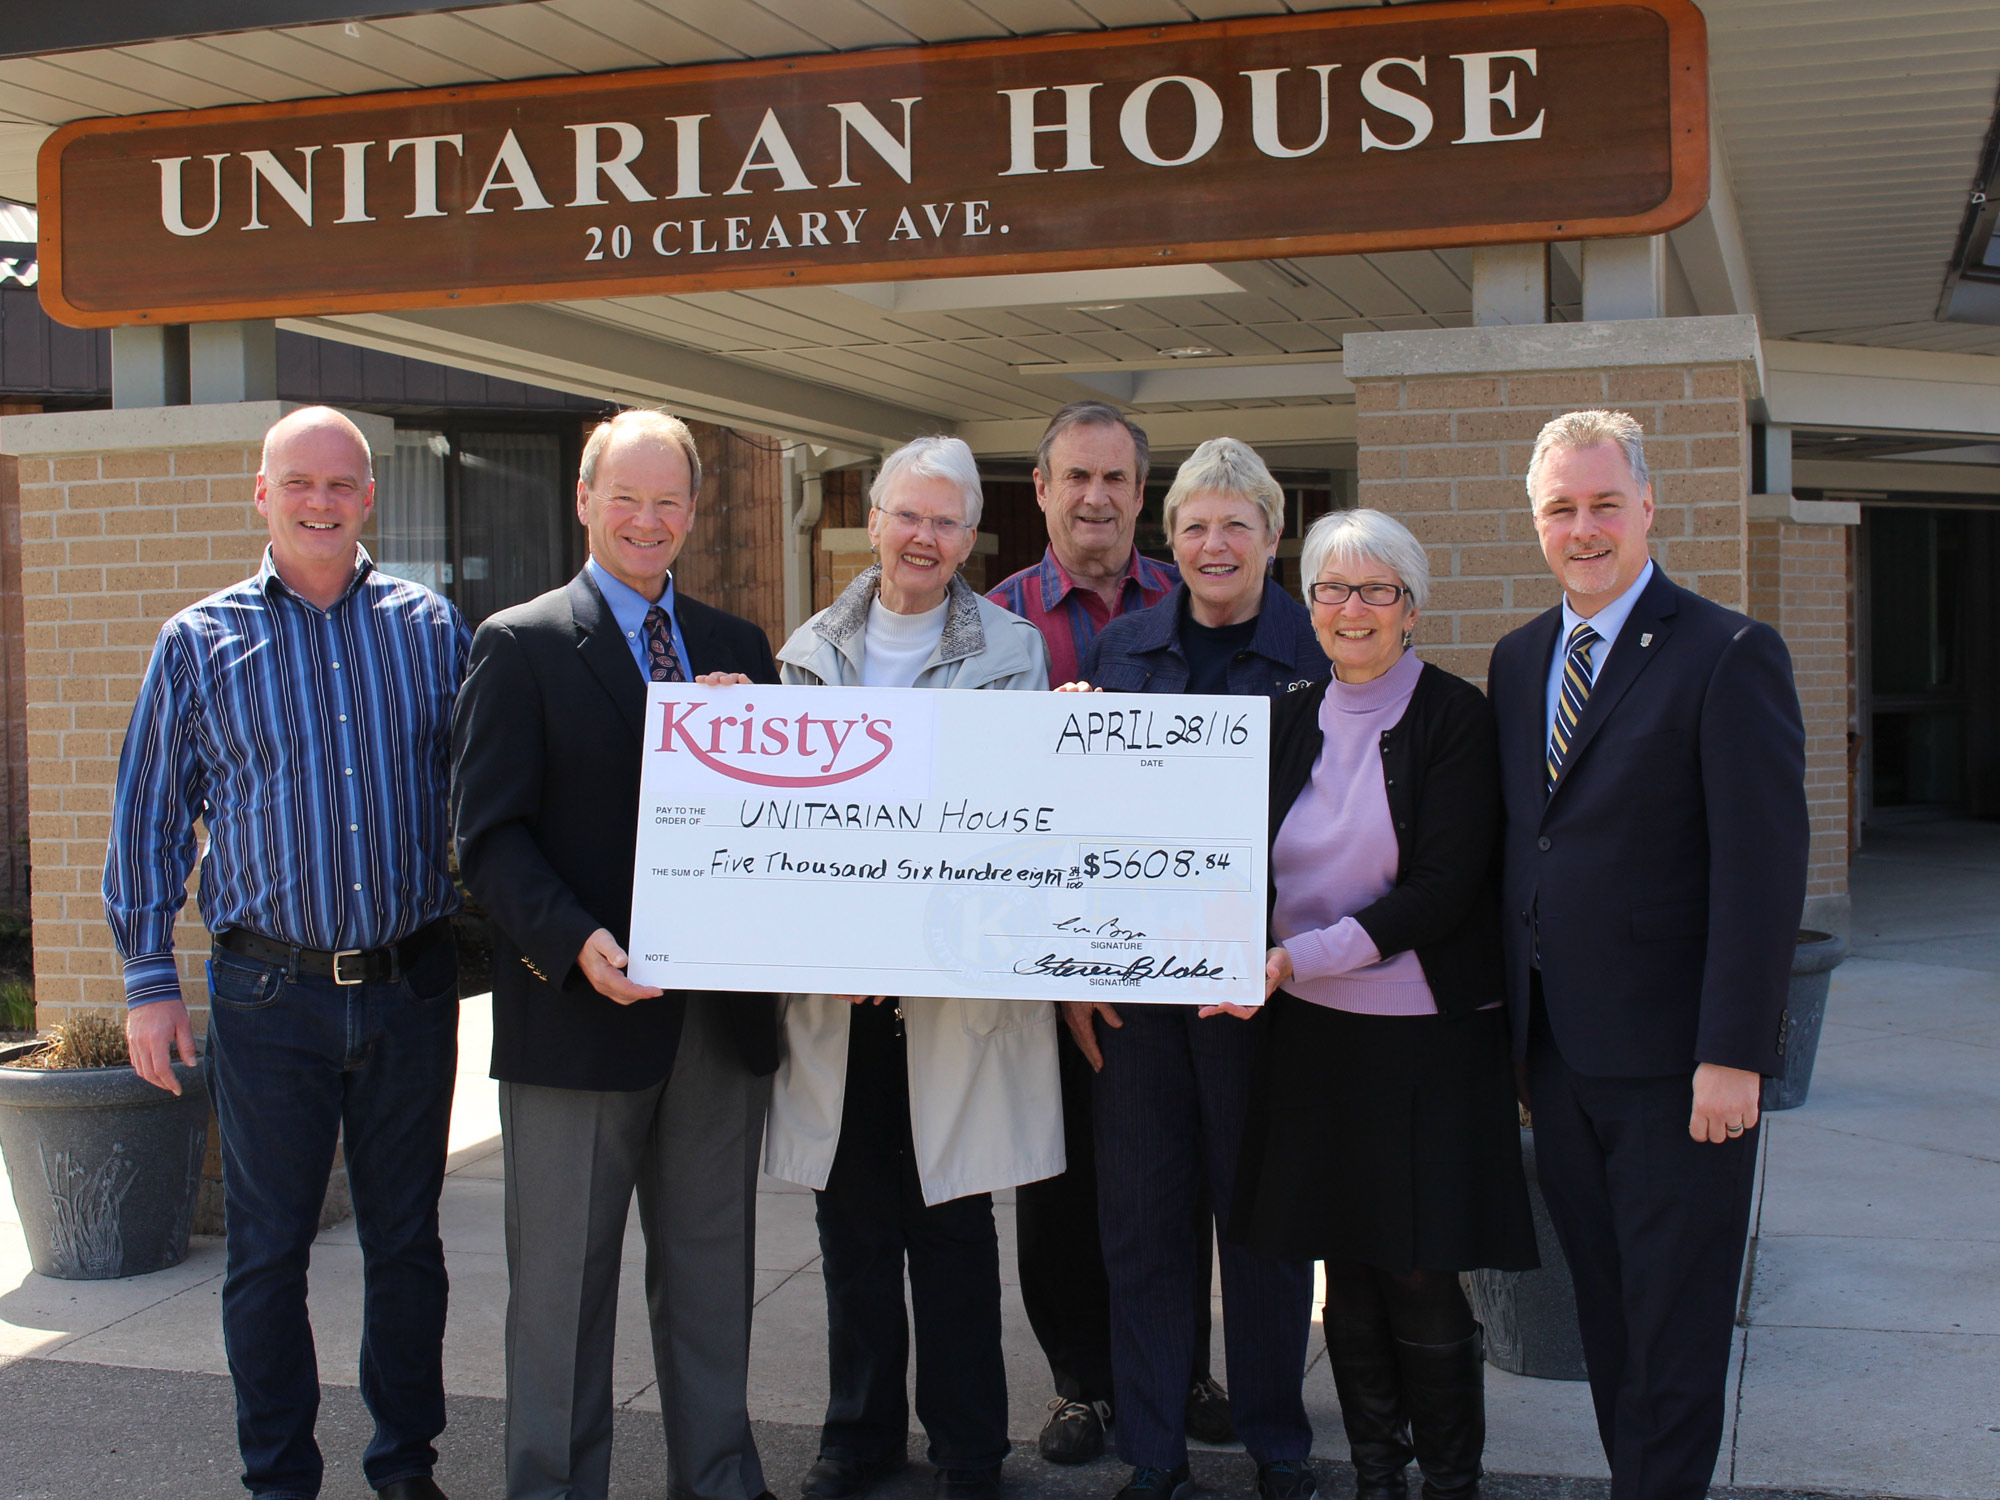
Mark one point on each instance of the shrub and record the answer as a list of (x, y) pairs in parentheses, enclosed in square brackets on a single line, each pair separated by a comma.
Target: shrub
[(86, 1041)]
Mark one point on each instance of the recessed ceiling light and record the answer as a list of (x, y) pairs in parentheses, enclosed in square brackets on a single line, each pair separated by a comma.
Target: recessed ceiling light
[(1188, 351), (1097, 307)]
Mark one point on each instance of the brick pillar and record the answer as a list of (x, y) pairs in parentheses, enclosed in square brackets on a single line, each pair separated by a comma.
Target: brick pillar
[(1799, 586), (13, 699), (1446, 419), (126, 517)]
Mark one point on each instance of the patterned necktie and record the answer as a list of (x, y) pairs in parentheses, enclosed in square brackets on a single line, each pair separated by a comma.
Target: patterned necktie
[(660, 653), (1569, 702)]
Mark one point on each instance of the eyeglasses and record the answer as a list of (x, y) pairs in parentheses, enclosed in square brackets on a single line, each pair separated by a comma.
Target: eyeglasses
[(1334, 595), (942, 527)]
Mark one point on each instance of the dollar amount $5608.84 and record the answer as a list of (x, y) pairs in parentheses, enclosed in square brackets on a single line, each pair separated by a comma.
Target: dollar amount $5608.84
[(1151, 864)]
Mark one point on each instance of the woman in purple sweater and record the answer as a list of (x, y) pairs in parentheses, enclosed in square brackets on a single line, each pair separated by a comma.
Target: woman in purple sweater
[(1385, 1140)]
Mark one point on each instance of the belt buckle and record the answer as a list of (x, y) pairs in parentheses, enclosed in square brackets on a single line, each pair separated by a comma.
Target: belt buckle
[(347, 953)]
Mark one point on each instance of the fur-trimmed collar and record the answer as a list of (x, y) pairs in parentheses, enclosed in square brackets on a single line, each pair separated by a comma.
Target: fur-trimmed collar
[(847, 617)]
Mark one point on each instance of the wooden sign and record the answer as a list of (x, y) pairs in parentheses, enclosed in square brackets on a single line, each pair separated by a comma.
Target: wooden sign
[(1482, 122)]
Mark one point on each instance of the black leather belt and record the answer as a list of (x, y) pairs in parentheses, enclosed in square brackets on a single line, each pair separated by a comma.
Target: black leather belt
[(342, 966)]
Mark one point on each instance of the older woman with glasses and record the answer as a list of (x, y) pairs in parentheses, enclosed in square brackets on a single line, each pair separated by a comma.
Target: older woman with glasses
[(1385, 1139), (904, 1115), (1172, 1087)]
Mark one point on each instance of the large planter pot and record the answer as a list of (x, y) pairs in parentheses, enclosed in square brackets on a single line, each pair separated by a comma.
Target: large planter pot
[(1529, 1317), (106, 1168), (1813, 963)]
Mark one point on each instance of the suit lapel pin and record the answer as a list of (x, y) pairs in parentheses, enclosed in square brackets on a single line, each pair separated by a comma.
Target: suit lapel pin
[(1646, 639)]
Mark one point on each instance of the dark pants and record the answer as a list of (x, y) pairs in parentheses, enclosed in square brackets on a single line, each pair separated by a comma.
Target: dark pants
[(1061, 1261), (1170, 1104), (872, 1218), (1652, 1223), (297, 1064)]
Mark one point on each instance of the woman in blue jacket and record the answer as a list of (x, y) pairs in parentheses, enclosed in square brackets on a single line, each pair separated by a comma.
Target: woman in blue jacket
[(1172, 1089)]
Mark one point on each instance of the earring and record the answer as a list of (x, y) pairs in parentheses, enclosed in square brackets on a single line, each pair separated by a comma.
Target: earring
[(1409, 639)]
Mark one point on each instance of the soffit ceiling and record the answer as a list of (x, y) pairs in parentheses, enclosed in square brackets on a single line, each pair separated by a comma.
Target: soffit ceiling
[(1851, 129)]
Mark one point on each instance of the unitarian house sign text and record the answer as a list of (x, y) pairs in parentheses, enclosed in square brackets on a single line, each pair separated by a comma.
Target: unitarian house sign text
[(1466, 123)]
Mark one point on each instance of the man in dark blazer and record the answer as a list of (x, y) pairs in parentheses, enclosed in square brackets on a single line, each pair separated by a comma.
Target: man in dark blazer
[(607, 1085), (1653, 765)]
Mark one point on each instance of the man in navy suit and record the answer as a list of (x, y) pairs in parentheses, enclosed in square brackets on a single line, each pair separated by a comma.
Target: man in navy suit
[(1653, 762)]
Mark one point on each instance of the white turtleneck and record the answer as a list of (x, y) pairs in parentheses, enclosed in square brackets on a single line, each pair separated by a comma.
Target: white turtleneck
[(894, 648)]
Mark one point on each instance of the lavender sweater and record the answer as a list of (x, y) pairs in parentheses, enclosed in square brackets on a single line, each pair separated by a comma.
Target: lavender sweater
[(1336, 854)]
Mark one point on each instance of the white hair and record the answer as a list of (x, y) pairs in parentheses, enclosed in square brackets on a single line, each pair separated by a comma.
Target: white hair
[(1587, 429), (1354, 537), (945, 458), (661, 427), (1226, 466)]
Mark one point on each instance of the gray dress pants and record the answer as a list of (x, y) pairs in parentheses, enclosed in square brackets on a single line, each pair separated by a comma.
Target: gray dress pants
[(574, 1157)]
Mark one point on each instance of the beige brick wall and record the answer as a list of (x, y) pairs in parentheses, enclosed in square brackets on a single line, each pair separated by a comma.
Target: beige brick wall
[(1799, 586), (112, 544), (1448, 456)]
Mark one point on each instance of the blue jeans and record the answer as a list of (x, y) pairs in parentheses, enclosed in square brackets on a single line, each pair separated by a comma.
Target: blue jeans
[(297, 1063)]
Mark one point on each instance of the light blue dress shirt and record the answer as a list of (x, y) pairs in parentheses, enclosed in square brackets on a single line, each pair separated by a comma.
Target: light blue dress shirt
[(628, 608), (1607, 622)]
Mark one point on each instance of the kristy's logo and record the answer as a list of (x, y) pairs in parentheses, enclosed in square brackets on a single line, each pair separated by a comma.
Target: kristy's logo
[(798, 752)]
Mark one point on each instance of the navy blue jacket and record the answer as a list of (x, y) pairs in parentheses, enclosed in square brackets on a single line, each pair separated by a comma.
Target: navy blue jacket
[(1667, 870), (1141, 652)]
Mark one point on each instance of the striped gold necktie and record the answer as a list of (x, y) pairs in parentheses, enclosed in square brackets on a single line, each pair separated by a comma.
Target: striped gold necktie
[(1570, 701)]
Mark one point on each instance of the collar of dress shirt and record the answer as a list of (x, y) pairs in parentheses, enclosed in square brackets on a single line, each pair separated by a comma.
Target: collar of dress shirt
[(1056, 582), (628, 605), (267, 575), (1608, 621)]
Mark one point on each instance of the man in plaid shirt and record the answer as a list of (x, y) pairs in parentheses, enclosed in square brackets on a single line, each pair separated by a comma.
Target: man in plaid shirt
[(1090, 480)]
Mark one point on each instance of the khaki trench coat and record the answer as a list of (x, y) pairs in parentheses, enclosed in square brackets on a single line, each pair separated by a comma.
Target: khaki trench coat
[(985, 1102)]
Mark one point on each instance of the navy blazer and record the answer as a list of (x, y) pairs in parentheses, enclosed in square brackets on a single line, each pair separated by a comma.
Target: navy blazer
[(1663, 879), (1141, 652), (546, 743)]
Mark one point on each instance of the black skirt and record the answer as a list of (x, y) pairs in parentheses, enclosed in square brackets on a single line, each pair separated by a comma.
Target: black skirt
[(1391, 1140)]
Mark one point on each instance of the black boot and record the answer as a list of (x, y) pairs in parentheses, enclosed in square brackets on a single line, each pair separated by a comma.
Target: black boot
[(1445, 1387), (1369, 1383)]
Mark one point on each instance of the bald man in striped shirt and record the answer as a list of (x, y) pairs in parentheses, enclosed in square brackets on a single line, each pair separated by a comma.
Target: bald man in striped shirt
[(304, 716)]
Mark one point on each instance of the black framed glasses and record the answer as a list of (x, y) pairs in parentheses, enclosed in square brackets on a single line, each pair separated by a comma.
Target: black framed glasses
[(1333, 595)]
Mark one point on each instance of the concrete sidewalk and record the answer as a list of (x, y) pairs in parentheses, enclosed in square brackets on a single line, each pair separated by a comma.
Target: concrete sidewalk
[(1869, 1361)]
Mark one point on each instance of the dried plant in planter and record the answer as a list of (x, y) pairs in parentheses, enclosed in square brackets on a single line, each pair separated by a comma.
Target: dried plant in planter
[(85, 1042)]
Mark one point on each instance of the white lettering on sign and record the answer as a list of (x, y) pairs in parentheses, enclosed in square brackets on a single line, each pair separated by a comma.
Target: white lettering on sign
[(779, 157), (1394, 101), (298, 196), (590, 166), (1074, 128), (354, 182), (424, 187), (1264, 110), (1134, 131), (1481, 96), (687, 156), (607, 157), (896, 153), (520, 179), (170, 193)]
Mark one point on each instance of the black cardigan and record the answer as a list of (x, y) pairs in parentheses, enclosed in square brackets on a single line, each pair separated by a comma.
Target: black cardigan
[(1441, 769)]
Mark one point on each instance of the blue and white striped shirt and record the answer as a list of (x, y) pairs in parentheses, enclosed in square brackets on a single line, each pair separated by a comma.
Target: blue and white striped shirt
[(315, 745)]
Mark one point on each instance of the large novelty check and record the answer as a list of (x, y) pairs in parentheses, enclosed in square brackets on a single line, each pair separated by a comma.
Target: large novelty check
[(880, 841)]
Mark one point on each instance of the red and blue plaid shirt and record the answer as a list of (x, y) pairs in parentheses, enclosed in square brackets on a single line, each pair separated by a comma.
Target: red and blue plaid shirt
[(1070, 615)]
